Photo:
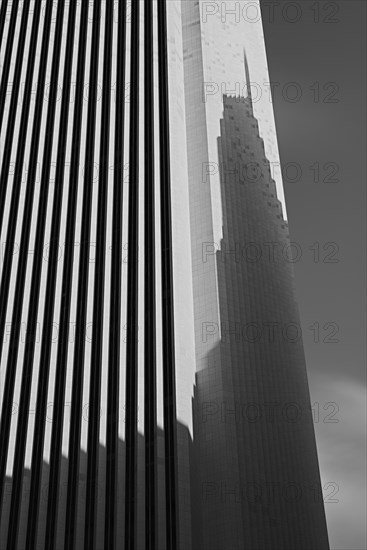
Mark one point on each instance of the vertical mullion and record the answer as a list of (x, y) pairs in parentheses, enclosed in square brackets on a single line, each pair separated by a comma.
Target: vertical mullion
[(6, 412), (149, 286), (8, 147), (18, 65), (132, 289), (21, 434), (4, 6), (44, 372), (83, 276), (169, 389), (66, 290), (115, 296), (99, 286)]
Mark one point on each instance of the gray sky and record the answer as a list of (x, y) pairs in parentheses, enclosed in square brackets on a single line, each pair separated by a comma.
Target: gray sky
[(315, 54)]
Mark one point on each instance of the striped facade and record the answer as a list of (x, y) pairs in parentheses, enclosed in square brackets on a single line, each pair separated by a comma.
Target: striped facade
[(113, 132)]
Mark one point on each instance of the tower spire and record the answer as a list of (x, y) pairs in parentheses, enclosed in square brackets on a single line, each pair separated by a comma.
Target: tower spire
[(247, 78)]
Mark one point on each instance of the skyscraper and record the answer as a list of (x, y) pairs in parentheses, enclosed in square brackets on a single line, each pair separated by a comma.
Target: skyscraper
[(144, 326)]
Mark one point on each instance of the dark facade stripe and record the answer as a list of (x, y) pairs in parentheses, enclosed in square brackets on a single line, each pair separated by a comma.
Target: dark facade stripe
[(8, 55), (17, 180), (12, 111), (6, 412), (98, 301), (3, 10), (149, 286), (44, 369), (168, 347), (81, 316), (66, 289), (132, 290), (25, 394), (115, 297)]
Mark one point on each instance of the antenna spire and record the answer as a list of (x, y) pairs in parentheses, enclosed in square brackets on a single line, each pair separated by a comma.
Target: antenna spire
[(247, 77)]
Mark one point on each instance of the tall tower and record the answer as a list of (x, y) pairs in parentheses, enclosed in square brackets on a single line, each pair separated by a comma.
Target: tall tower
[(257, 477), (124, 294), (254, 440)]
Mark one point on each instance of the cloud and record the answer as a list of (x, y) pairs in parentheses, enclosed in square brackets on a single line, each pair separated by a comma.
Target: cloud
[(342, 454)]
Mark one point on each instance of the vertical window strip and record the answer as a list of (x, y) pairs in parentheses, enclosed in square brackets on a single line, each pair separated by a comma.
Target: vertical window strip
[(132, 289), (7, 405), (7, 61), (99, 287), (15, 188), (3, 10), (22, 426), (80, 334), (62, 352), (44, 372), (115, 297), (150, 431), (169, 388)]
